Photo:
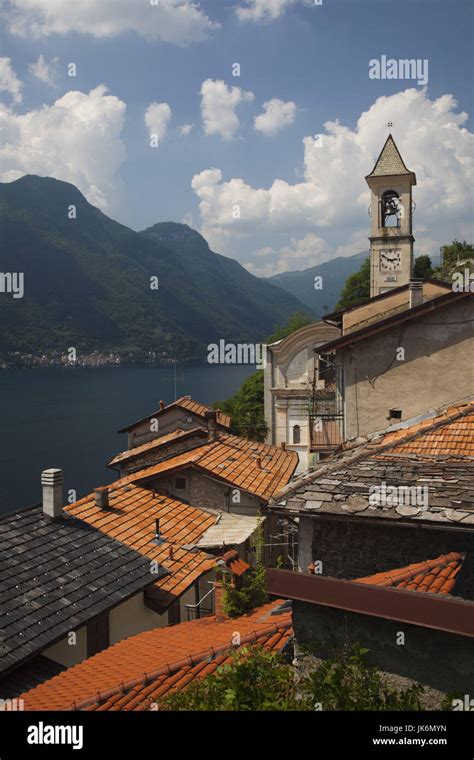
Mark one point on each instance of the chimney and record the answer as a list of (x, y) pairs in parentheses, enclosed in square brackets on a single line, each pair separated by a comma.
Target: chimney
[(162, 405), (283, 445), (211, 418), (52, 483), (102, 497), (415, 292), (219, 592), (259, 463)]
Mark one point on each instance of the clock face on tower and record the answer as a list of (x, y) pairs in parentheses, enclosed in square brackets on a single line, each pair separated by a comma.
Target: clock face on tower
[(390, 260)]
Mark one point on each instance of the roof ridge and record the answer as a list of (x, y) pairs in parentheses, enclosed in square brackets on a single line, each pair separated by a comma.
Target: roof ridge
[(412, 570), (369, 449), (190, 660)]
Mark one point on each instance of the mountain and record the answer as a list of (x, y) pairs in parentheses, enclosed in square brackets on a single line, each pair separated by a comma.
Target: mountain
[(334, 274), (87, 282)]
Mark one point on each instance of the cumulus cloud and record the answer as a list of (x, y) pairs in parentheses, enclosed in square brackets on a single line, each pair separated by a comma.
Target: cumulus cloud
[(77, 139), (263, 10), (176, 21), (276, 115), (299, 254), (157, 117), (332, 198), (218, 106), (44, 71), (185, 129), (9, 81)]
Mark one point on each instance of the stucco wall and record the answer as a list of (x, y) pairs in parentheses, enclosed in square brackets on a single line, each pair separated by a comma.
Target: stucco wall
[(437, 369), (69, 654)]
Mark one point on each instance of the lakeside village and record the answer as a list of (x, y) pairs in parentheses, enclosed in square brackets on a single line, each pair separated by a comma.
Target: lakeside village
[(350, 520), (17, 359)]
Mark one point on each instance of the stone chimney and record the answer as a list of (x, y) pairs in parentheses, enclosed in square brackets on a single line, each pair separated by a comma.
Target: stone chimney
[(219, 592), (102, 497), (415, 292), (52, 484), (211, 420)]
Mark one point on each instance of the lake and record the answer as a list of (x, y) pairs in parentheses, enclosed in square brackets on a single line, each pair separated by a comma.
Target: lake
[(69, 417)]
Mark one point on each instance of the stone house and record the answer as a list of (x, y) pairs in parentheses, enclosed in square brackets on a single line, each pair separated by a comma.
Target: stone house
[(402, 353), (373, 513)]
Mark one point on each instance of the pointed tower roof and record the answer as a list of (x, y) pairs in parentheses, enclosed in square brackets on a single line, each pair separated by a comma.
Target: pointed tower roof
[(390, 162)]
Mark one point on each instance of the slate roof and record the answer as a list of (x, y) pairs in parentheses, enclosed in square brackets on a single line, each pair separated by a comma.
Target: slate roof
[(131, 518), (55, 576), (389, 161), (144, 668), (188, 404), (434, 576), (433, 454), (233, 460)]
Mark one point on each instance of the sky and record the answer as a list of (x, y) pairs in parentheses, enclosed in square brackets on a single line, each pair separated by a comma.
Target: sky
[(253, 121)]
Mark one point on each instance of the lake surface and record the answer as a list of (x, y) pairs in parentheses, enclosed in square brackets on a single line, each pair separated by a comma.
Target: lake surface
[(69, 417)]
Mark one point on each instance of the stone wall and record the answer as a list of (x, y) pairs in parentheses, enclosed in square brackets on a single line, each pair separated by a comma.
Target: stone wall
[(442, 662)]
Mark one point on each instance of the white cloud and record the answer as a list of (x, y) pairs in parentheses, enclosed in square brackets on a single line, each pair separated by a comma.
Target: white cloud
[(44, 71), (77, 139), (176, 21), (218, 105), (332, 197), (185, 129), (157, 117), (276, 115), (9, 81), (262, 10), (299, 254)]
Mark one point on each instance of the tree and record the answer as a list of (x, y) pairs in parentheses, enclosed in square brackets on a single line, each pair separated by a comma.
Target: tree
[(455, 257), (246, 408), (423, 268), (258, 680), (295, 322), (356, 289)]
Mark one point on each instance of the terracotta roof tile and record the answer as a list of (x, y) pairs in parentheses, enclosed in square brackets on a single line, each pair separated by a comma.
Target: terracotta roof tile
[(116, 678), (130, 519), (435, 576), (257, 468), (452, 438), (185, 402)]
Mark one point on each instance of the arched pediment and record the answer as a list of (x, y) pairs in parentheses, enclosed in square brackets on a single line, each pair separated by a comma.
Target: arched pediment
[(309, 336)]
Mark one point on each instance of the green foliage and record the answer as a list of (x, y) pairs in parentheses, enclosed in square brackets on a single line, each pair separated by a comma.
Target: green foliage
[(295, 322), (348, 682), (259, 680), (252, 593), (246, 408), (423, 268), (256, 680), (356, 289), (455, 257), (88, 283)]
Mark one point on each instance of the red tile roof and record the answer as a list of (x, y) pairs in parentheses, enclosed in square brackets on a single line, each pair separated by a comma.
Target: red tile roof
[(435, 576), (257, 468), (131, 519), (446, 435), (156, 443), (236, 565), (185, 402), (140, 670)]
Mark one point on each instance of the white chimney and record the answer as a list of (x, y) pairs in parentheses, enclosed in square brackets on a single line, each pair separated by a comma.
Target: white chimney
[(415, 292), (52, 483)]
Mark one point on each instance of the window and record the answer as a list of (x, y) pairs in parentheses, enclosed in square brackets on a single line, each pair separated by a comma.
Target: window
[(296, 434), (180, 484)]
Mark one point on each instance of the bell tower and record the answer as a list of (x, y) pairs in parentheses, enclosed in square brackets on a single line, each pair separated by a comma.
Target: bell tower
[(391, 209)]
